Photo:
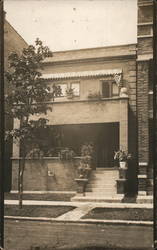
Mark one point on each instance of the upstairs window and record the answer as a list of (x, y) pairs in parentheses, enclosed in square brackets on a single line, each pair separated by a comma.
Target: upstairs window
[(115, 89), (76, 88), (105, 89), (62, 87), (109, 89)]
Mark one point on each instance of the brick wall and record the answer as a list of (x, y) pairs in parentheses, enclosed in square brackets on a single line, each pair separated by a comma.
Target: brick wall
[(46, 175), (144, 48), (142, 95)]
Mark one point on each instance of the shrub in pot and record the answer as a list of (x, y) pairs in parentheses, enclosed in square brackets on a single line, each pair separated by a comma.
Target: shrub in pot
[(70, 93), (123, 157)]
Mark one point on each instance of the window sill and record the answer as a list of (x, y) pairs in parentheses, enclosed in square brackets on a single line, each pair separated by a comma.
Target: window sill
[(43, 158), (87, 100)]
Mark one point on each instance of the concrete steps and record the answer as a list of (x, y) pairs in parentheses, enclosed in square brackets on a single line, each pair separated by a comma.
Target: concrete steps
[(103, 181), (102, 187), (101, 190)]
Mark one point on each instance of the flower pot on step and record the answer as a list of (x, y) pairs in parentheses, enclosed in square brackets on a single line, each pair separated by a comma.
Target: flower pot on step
[(123, 164)]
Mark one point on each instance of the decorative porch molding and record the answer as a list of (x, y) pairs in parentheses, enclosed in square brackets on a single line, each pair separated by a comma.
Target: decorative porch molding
[(79, 74)]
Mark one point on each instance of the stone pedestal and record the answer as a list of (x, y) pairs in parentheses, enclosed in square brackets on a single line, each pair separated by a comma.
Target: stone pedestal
[(122, 181), (121, 186), (122, 173), (81, 185)]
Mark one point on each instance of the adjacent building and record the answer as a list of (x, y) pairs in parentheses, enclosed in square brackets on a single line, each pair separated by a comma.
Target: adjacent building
[(12, 42)]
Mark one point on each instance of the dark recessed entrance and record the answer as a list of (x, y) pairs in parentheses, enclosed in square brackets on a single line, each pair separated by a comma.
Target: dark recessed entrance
[(104, 136)]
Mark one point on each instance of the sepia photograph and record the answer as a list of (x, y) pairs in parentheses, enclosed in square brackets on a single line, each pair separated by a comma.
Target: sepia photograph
[(78, 125)]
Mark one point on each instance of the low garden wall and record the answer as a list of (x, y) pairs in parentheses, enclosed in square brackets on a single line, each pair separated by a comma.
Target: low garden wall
[(47, 174)]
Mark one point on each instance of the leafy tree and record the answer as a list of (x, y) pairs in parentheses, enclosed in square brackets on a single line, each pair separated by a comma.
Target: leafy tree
[(29, 96)]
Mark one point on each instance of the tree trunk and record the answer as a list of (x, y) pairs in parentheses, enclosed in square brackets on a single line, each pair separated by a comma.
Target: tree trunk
[(21, 173), (21, 167)]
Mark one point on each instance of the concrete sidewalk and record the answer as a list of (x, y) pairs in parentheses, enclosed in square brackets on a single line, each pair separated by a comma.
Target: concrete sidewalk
[(78, 204)]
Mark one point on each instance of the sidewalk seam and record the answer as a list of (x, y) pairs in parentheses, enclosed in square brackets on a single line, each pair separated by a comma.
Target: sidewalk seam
[(86, 221)]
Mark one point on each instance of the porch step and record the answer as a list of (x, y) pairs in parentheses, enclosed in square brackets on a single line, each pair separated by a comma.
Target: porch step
[(104, 178), (102, 190), (102, 185), (104, 173), (103, 182), (91, 197)]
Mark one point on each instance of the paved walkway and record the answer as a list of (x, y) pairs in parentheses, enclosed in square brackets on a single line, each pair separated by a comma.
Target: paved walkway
[(77, 213), (81, 210)]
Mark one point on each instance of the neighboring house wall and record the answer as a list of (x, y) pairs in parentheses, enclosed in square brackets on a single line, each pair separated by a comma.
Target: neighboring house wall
[(144, 94), (13, 42)]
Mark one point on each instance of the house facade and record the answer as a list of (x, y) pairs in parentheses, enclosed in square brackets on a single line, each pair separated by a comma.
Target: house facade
[(110, 106)]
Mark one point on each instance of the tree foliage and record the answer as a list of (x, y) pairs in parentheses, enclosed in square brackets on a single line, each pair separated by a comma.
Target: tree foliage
[(29, 94)]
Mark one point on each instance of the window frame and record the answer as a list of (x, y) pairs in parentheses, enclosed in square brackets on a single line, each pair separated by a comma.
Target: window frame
[(75, 82), (68, 85), (110, 82)]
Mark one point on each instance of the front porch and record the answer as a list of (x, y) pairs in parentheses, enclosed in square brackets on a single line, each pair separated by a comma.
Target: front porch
[(103, 122)]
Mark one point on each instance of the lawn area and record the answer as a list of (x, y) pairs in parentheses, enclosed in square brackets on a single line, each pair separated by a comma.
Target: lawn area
[(136, 214), (89, 248), (36, 211), (45, 197)]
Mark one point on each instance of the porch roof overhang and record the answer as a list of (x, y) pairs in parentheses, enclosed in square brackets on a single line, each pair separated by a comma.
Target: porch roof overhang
[(80, 74)]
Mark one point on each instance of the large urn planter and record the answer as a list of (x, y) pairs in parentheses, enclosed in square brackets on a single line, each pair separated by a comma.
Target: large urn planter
[(123, 157), (81, 185), (122, 181), (123, 164)]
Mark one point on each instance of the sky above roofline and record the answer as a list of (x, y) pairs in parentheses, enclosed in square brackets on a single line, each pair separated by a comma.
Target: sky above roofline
[(74, 24)]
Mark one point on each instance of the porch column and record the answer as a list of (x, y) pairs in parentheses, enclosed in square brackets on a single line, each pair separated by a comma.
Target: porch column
[(16, 148), (123, 109)]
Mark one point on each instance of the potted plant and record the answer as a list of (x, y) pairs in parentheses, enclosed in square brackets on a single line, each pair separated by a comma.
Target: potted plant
[(123, 157), (66, 154), (85, 166), (94, 95), (84, 170), (35, 153), (70, 93)]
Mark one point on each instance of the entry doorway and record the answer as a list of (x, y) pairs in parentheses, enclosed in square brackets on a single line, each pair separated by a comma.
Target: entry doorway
[(107, 144), (104, 137)]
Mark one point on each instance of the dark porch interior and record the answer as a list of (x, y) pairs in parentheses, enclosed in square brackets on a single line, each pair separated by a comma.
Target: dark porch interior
[(104, 136)]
